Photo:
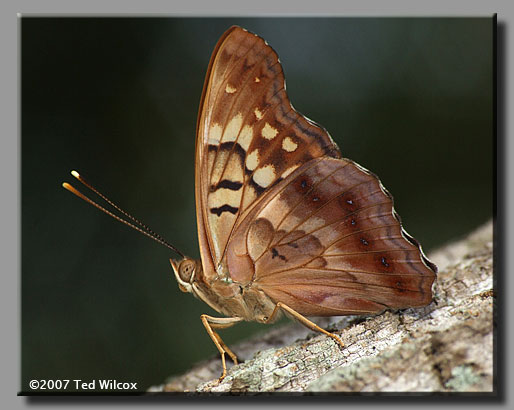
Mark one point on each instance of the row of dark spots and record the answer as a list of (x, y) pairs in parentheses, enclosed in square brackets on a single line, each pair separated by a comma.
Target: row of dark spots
[(365, 242), (344, 201), (304, 186)]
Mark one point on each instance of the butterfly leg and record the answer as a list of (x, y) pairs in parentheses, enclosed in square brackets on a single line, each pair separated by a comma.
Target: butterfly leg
[(303, 320), (211, 323)]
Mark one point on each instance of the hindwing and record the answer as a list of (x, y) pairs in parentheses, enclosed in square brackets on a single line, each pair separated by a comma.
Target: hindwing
[(327, 241)]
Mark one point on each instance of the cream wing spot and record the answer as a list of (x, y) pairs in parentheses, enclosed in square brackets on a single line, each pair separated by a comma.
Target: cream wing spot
[(258, 113), (229, 89), (289, 145), (252, 160), (264, 176), (219, 165), (224, 196), (215, 134), (234, 169), (221, 225), (257, 80), (269, 132), (246, 136), (211, 155), (232, 129)]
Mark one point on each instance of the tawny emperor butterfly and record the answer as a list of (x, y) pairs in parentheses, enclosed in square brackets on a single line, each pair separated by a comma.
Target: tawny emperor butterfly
[(284, 223)]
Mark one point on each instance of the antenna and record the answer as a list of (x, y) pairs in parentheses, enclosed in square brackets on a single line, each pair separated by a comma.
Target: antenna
[(142, 228)]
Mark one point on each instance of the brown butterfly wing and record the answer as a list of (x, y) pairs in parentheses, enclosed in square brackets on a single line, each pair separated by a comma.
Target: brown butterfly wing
[(249, 138), (327, 241)]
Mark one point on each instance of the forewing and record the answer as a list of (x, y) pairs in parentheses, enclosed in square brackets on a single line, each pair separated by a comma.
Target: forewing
[(327, 241), (249, 137)]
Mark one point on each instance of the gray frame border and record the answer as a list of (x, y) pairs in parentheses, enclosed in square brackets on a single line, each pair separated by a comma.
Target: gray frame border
[(10, 159)]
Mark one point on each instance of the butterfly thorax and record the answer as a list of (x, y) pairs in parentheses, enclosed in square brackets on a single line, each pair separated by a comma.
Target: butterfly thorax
[(221, 292)]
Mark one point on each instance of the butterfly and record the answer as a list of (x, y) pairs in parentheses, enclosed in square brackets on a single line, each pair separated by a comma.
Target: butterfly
[(285, 223)]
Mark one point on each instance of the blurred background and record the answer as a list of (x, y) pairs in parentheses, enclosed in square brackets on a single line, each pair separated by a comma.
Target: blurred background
[(117, 98)]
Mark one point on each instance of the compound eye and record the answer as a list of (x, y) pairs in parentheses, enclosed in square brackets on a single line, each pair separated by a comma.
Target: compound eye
[(186, 270)]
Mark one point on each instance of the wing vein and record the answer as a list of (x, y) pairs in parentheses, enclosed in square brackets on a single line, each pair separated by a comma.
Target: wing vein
[(322, 254), (306, 194), (306, 301), (333, 222), (320, 208)]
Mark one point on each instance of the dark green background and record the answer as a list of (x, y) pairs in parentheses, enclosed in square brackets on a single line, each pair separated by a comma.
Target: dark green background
[(117, 99)]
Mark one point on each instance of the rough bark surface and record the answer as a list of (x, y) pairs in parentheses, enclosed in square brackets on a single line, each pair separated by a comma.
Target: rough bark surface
[(446, 346)]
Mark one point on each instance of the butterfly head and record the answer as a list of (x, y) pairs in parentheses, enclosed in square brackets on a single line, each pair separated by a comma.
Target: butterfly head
[(185, 271)]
